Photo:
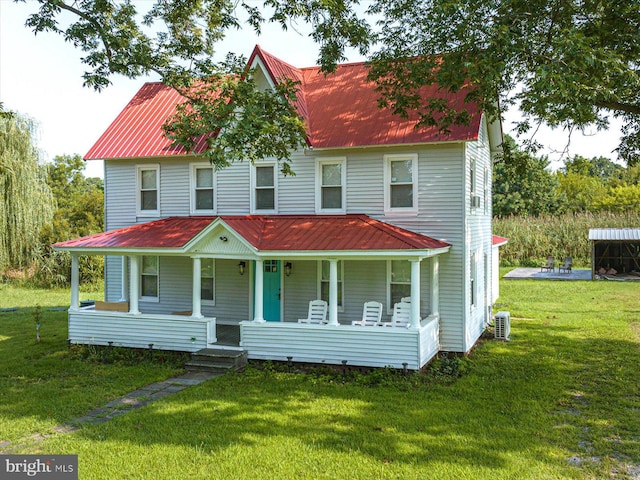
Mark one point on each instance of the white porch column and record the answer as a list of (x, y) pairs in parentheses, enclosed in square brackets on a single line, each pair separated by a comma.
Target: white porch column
[(124, 286), (75, 283), (196, 308), (333, 292), (258, 315), (435, 286), (415, 293), (134, 285)]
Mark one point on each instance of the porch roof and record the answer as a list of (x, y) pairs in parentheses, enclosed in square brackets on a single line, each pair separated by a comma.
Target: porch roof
[(263, 233)]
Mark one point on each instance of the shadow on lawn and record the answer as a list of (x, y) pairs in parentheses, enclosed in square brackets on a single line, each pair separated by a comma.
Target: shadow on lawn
[(526, 399)]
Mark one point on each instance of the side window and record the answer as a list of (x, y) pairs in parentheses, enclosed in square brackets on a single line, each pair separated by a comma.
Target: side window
[(323, 287), (202, 189), (399, 281), (473, 185), (208, 281), (401, 180), (474, 279), (149, 278), (330, 186), (148, 200), (264, 186)]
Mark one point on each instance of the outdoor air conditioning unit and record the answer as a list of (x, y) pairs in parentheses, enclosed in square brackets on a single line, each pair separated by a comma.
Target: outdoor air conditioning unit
[(502, 321), (475, 201)]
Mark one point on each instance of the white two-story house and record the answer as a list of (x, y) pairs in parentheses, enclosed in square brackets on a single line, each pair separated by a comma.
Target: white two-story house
[(378, 211)]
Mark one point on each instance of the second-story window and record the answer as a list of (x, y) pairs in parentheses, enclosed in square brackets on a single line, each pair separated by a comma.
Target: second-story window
[(401, 174), (148, 190), (202, 189), (264, 188), (331, 188)]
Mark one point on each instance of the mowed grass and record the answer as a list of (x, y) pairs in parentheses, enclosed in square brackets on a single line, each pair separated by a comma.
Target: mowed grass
[(560, 400), (44, 384)]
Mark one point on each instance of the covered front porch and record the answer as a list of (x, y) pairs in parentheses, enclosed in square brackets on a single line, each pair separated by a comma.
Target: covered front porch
[(304, 275)]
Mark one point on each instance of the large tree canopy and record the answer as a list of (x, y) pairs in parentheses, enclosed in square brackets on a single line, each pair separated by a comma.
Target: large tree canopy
[(568, 63), (176, 39)]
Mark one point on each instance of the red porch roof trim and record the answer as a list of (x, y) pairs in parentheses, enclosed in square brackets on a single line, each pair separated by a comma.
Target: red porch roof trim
[(286, 234), (497, 241)]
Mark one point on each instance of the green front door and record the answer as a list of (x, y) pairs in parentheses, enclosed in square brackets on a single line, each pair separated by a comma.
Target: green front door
[(271, 295)]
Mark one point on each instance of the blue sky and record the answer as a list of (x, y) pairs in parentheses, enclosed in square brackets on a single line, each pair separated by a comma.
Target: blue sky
[(41, 76)]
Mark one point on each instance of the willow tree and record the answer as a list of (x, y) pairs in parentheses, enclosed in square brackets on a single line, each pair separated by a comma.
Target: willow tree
[(26, 203)]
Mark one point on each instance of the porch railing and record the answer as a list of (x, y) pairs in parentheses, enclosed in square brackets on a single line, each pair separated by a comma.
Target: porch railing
[(364, 346), (162, 332)]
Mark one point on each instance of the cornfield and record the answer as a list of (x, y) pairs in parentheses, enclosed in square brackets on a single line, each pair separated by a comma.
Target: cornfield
[(533, 239)]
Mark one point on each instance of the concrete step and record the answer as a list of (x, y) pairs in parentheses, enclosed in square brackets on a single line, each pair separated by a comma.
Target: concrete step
[(215, 360)]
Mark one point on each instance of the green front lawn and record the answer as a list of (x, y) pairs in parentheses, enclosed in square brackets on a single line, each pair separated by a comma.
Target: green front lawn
[(45, 384), (560, 400)]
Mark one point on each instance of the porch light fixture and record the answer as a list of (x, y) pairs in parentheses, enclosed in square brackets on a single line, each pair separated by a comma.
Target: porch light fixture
[(241, 267), (287, 268)]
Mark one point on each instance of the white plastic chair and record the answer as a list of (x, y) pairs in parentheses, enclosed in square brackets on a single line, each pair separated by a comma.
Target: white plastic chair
[(371, 315), (401, 315), (317, 313)]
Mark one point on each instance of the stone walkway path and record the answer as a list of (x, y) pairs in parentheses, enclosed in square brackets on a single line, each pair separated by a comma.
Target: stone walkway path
[(132, 400)]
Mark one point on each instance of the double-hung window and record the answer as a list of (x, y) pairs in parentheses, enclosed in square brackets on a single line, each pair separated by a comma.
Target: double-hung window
[(331, 186), (203, 189), (149, 278), (399, 281), (401, 183), (473, 280), (208, 281), (148, 201), (264, 188), (323, 287), (473, 185)]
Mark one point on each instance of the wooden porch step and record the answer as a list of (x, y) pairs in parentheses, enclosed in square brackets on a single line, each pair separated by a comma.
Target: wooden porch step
[(217, 360)]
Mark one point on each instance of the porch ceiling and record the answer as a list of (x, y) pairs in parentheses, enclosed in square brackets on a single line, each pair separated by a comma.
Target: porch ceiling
[(263, 235)]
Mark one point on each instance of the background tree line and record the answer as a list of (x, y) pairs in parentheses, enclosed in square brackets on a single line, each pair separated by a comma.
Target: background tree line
[(525, 185), (550, 213)]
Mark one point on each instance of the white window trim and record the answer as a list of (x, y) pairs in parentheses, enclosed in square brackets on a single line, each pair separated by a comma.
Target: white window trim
[(143, 298), (192, 189), (139, 211), (389, 304), (473, 279), (202, 300), (473, 185), (343, 184), (387, 183), (253, 187), (340, 281)]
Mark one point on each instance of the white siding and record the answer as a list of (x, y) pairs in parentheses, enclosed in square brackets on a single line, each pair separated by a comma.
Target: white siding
[(138, 331), (478, 239), (233, 193), (443, 200), (368, 346)]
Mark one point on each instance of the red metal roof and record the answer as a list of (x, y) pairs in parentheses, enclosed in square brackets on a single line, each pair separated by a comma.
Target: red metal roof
[(340, 109), (137, 130), (267, 233), (172, 232)]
